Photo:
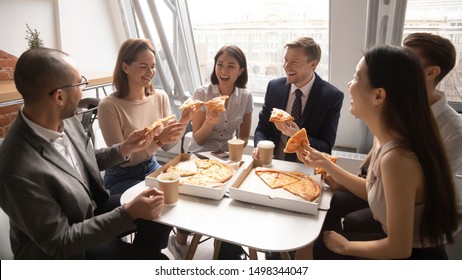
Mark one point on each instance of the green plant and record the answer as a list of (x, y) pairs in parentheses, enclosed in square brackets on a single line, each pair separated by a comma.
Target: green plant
[(33, 38)]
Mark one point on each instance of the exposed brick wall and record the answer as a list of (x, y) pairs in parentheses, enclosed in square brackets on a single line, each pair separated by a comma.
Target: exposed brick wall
[(7, 64), (7, 113)]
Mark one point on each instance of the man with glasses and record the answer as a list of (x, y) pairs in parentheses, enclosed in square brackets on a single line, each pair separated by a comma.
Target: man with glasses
[(51, 186), (82, 85)]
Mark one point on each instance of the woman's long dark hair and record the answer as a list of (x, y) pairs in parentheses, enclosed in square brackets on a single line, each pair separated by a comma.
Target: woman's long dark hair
[(407, 114)]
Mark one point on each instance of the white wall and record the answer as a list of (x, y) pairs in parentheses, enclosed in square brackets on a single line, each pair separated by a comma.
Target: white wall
[(14, 14), (347, 37), (89, 30)]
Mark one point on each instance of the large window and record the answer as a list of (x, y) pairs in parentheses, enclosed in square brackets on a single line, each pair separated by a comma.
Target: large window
[(260, 28), (442, 17)]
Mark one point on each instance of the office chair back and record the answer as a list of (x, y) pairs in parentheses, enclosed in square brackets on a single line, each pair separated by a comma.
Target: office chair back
[(88, 115), (188, 129)]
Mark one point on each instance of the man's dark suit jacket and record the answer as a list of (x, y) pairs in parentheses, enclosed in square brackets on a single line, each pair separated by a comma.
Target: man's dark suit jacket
[(320, 116)]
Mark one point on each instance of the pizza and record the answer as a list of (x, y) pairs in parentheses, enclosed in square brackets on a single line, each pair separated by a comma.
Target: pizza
[(295, 182), (190, 103), (319, 170), (299, 139), (307, 188), (275, 179), (181, 172), (217, 103), (278, 115), (208, 172), (158, 122)]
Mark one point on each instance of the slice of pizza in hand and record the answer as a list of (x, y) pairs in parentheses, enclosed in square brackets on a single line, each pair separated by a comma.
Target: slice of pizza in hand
[(276, 179), (158, 122), (299, 139), (319, 170), (217, 103), (278, 115), (190, 103)]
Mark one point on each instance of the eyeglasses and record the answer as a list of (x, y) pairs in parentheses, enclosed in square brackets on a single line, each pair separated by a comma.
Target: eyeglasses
[(82, 85)]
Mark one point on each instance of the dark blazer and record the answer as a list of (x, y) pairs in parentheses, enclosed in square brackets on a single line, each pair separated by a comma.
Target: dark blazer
[(49, 206), (320, 116)]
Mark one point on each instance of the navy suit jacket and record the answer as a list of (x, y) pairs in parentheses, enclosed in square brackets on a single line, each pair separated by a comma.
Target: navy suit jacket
[(320, 116)]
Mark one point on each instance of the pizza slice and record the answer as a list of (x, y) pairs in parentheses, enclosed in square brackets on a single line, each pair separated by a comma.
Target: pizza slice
[(278, 115), (190, 103), (307, 188), (217, 103), (276, 179), (181, 172), (319, 170), (158, 122), (299, 139), (220, 172), (204, 163), (209, 172), (197, 180)]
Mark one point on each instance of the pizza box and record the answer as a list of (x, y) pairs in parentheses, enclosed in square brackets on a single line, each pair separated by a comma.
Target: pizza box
[(248, 187), (186, 161)]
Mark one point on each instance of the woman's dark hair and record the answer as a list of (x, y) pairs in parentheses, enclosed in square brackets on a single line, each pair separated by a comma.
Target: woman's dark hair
[(128, 53), (239, 55), (407, 114)]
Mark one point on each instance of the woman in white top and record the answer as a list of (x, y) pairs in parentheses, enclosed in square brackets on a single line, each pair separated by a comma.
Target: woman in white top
[(409, 185), (212, 129)]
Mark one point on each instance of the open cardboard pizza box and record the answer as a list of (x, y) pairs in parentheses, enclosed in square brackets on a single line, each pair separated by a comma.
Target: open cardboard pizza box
[(248, 187), (186, 161)]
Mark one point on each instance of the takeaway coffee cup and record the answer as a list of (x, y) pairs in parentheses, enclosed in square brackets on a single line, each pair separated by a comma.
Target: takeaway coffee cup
[(235, 148), (169, 184), (265, 151)]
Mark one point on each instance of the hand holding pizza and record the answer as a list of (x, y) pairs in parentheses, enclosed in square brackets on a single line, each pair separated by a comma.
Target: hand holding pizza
[(312, 157), (288, 128), (212, 116), (189, 107), (138, 140), (172, 132)]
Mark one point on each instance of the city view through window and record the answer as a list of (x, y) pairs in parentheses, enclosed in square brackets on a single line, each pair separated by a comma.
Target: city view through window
[(261, 29)]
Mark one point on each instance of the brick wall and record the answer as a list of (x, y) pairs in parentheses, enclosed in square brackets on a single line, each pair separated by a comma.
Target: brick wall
[(7, 113), (7, 63)]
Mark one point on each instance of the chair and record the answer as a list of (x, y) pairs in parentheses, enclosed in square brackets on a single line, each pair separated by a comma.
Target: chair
[(5, 246), (188, 129), (88, 115)]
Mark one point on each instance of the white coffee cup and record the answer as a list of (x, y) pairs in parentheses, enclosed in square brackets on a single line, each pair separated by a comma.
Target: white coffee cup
[(169, 184), (265, 151), (235, 148)]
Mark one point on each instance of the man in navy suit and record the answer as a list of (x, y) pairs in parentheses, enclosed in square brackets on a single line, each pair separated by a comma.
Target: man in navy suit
[(320, 102)]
